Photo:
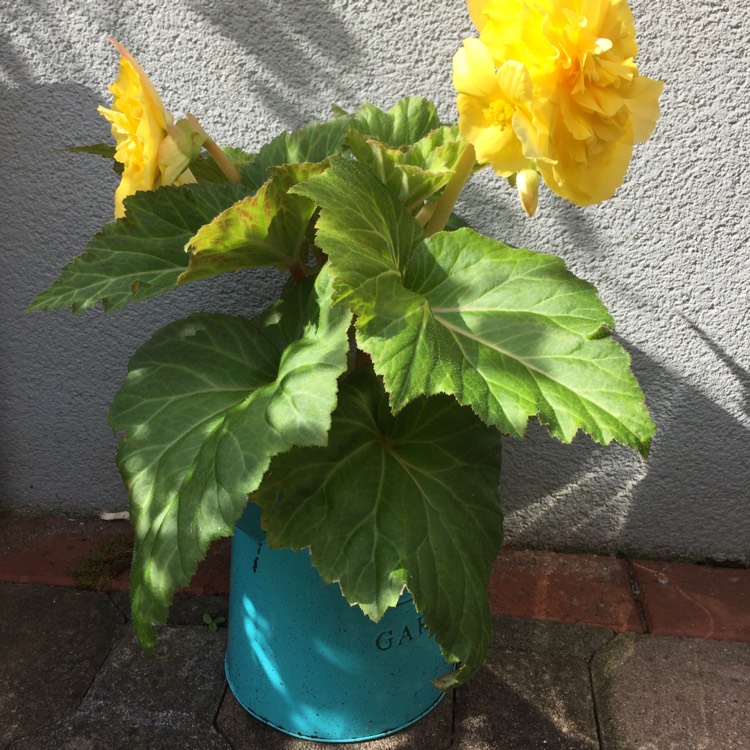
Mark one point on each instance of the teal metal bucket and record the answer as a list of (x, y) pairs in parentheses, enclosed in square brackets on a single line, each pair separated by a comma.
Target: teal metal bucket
[(300, 659)]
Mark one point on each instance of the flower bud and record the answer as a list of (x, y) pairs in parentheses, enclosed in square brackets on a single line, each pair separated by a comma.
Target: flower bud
[(527, 185), (182, 144)]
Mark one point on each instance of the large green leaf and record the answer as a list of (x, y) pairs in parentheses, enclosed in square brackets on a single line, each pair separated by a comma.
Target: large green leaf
[(407, 499), (141, 255), (311, 144), (267, 228), (406, 122), (207, 402), (507, 331)]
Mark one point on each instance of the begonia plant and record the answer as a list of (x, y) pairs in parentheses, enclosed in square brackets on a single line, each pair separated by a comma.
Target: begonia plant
[(363, 410)]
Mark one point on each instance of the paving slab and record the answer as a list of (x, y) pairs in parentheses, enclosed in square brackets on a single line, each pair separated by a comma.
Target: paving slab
[(82, 735), (538, 698), (696, 601), (582, 589), (52, 642), (137, 701), (556, 638), (666, 693), (245, 732)]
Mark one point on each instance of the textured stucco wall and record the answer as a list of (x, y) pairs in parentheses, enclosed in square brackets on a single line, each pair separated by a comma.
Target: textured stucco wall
[(669, 254)]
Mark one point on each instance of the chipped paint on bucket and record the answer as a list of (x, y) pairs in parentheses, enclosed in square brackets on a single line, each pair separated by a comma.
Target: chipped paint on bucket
[(300, 659)]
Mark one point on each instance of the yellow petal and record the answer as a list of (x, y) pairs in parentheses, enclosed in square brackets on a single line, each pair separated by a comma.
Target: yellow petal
[(643, 105), (160, 113), (515, 82), (527, 133), (500, 148), (471, 119), (474, 70), (475, 11)]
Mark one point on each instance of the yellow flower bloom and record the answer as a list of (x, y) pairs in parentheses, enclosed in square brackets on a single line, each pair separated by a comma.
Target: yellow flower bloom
[(589, 104), (494, 108), (140, 125)]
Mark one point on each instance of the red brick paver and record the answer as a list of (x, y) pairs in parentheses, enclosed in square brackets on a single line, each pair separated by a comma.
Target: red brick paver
[(676, 599), (583, 589), (47, 550), (695, 601), (211, 578)]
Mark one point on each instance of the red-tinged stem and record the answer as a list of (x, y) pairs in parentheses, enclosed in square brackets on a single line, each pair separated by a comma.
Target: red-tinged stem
[(297, 271)]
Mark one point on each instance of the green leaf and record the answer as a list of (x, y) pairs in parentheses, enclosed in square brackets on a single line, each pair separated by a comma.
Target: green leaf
[(408, 499), (507, 331), (406, 122), (311, 144), (455, 222), (141, 255), (411, 184), (106, 150), (268, 228), (206, 404), (417, 171), (366, 244)]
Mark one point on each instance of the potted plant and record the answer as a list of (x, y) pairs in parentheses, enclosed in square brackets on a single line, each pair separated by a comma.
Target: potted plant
[(359, 416)]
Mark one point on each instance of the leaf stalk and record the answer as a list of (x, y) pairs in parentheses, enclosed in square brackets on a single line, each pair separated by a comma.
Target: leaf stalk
[(448, 199)]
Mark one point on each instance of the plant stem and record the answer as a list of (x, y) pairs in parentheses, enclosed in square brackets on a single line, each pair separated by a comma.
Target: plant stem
[(425, 213), (221, 159), (297, 271), (448, 199)]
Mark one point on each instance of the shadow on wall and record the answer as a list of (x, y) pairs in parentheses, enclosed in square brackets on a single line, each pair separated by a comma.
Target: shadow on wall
[(296, 52), (43, 189), (58, 374), (690, 499)]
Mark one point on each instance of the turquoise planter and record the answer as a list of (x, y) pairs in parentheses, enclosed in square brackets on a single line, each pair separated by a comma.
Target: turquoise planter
[(302, 660)]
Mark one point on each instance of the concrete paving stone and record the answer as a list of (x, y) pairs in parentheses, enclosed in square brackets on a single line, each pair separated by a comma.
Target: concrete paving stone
[(179, 691), (581, 589), (664, 693), (521, 700), (52, 642), (557, 638), (92, 736), (189, 610), (697, 601), (184, 684), (245, 732)]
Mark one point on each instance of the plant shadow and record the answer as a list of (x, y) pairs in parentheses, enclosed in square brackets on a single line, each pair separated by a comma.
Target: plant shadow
[(688, 500)]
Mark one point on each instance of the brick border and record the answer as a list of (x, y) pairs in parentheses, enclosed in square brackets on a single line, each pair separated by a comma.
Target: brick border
[(697, 601)]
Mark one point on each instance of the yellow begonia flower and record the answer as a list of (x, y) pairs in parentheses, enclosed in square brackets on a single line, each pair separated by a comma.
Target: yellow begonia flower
[(494, 107), (140, 127), (589, 103)]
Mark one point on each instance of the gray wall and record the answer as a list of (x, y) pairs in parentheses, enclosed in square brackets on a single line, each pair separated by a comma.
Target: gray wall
[(669, 254)]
